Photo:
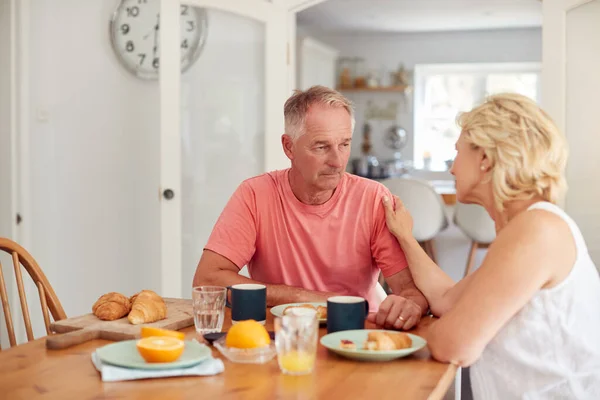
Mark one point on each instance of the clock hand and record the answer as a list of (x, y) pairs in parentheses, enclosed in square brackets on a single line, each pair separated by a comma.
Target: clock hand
[(148, 34), (156, 28)]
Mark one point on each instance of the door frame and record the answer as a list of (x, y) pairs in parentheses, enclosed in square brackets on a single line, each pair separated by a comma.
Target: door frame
[(554, 62), (20, 193)]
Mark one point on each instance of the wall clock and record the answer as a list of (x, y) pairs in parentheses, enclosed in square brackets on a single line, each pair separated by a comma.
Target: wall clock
[(134, 33)]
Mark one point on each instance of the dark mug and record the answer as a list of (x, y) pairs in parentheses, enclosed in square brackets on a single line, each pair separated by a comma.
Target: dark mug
[(248, 301), (346, 312)]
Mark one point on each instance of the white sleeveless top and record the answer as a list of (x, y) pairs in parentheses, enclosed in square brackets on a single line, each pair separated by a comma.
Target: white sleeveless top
[(551, 348)]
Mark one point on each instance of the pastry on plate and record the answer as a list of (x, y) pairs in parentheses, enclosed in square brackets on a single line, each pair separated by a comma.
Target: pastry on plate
[(289, 308), (347, 344), (321, 311), (379, 340)]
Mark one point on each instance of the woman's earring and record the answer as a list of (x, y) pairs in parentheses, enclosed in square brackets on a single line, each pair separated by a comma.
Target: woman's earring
[(483, 167)]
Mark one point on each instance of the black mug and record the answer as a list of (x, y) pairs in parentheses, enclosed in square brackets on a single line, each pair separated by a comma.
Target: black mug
[(248, 301), (346, 312)]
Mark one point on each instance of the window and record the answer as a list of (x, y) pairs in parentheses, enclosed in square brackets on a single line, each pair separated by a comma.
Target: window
[(443, 91)]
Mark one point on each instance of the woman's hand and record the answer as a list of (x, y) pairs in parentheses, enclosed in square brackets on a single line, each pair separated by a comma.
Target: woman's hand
[(398, 220)]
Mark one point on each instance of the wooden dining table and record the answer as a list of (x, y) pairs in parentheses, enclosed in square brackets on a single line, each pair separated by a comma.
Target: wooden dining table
[(30, 371)]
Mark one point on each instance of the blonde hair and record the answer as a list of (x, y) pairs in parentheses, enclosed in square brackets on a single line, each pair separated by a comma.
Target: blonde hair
[(296, 107), (526, 151)]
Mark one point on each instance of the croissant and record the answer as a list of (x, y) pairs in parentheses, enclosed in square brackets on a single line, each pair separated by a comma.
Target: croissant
[(147, 307), (321, 311), (387, 341), (111, 306)]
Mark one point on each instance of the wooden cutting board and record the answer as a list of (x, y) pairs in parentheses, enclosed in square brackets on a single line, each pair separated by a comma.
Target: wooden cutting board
[(73, 331)]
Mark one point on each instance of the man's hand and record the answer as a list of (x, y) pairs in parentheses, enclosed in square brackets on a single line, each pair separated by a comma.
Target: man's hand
[(396, 312)]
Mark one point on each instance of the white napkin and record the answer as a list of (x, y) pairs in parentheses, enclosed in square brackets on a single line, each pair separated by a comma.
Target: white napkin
[(111, 373)]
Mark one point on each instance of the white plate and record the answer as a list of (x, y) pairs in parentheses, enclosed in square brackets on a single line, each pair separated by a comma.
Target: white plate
[(278, 310), (358, 336)]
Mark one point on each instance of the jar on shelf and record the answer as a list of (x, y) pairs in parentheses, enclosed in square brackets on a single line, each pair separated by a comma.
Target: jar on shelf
[(360, 73), (345, 73)]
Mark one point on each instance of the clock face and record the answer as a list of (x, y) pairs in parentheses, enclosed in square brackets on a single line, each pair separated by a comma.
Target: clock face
[(134, 31)]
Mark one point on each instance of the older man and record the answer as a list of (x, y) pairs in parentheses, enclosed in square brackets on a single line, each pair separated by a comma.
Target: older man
[(313, 230)]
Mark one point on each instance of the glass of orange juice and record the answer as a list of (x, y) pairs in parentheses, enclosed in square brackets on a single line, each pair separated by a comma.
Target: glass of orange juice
[(296, 335)]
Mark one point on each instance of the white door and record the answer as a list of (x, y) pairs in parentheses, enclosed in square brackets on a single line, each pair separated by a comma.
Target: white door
[(570, 87), (87, 163), (220, 121)]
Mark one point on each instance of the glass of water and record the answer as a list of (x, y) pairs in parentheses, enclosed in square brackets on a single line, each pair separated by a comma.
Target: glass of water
[(296, 335), (209, 308)]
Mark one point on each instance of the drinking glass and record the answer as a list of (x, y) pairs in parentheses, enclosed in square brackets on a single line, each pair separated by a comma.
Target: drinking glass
[(209, 308), (296, 335)]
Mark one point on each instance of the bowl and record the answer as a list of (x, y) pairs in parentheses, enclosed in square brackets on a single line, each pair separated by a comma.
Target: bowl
[(259, 355)]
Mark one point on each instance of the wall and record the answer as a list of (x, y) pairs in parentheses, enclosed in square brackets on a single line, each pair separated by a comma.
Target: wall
[(582, 122), (94, 158), (385, 52), (94, 148), (5, 121), (6, 217)]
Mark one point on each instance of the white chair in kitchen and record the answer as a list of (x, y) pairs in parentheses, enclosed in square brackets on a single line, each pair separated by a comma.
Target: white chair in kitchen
[(425, 206), (48, 299), (478, 226)]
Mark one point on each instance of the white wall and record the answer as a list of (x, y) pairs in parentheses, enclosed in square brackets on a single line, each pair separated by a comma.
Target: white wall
[(385, 52), (94, 137), (5, 121), (5, 149), (582, 121), (94, 148), (316, 64)]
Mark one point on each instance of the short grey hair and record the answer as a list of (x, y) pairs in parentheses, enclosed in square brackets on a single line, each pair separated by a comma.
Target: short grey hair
[(296, 107)]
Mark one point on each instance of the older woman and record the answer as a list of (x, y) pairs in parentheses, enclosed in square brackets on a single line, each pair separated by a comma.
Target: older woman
[(528, 320)]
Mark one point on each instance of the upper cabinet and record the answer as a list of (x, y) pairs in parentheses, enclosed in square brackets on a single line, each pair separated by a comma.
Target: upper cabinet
[(316, 64)]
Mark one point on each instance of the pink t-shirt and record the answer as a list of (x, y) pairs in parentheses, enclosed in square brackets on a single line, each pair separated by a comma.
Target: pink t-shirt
[(338, 246)]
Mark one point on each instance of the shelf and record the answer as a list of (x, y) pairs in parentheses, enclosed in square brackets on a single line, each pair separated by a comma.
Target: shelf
[(397, 89)]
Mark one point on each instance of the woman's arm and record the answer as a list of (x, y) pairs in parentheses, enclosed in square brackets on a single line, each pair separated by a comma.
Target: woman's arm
[(536, 250), (438, 288)]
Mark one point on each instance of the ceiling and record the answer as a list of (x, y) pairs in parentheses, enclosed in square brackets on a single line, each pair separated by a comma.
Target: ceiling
[(337, 16)]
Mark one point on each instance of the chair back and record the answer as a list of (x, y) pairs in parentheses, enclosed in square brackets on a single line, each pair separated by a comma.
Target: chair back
[(48, 300), (424, 204), (474, 221)]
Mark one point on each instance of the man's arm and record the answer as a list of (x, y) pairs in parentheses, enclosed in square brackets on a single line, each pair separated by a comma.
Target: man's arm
[(214, 269), (402, 284), (404, 308)]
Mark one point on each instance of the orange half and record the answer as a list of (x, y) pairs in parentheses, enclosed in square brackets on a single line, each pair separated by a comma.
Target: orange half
[(148, 331), (160, 349)]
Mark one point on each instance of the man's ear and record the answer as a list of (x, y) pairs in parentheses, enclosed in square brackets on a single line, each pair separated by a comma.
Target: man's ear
[(288, 144)]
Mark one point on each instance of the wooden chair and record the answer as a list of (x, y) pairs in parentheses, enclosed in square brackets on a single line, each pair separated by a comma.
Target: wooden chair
[(48, 299)]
